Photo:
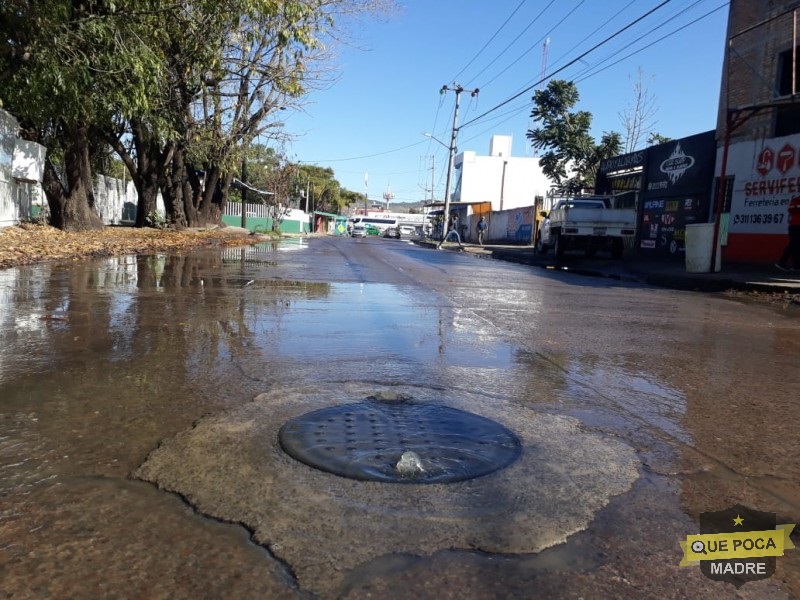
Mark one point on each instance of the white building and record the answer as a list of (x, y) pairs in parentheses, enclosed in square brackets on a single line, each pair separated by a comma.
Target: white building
[(21, 167), (504, 180)]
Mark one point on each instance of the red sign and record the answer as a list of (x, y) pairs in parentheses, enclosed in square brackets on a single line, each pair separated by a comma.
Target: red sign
[(766, 160), (786, 157)]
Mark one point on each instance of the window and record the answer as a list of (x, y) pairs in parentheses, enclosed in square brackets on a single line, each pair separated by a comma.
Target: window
[(787, 118)]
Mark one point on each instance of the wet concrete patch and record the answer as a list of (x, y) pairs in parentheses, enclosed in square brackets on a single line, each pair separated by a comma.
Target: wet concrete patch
[(399, 441), (231, 467)]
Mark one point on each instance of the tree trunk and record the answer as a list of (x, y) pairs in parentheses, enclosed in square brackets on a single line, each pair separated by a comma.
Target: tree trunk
[(148, 166), (174, 190), (71, 202), (207, 197)]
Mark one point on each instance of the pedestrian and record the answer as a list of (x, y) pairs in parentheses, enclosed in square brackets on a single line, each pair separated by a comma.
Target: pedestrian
[(792, 251), (452, 230), (481, 230)]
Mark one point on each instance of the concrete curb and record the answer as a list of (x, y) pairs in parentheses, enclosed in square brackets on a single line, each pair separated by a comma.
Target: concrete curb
[(664, 275)]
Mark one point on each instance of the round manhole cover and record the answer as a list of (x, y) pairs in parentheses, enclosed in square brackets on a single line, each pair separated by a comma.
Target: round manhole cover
[(399, 442)]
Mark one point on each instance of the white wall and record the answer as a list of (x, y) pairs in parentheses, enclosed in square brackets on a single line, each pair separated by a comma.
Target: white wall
[(514, 181)]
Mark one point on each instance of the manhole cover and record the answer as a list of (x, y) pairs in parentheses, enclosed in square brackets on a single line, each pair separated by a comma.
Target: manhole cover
[(367, 440)]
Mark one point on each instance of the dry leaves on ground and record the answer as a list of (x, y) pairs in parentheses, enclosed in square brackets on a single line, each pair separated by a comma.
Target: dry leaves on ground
[(26, 244)]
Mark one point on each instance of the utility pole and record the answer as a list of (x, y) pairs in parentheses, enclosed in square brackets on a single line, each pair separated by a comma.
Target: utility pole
[(433, 164), (457, 89), (244, 192), (366, 192)]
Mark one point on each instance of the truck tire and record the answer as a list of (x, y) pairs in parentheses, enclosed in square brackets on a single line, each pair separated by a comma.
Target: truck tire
[(617, 248), (558, 247)]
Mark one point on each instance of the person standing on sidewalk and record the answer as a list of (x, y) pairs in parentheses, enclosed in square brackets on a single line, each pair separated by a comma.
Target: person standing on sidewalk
[(792, 250), (481, 230)]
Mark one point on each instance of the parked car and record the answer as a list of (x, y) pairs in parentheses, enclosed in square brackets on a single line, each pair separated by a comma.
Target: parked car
[(408, 230), (392, 232), (372, 229)]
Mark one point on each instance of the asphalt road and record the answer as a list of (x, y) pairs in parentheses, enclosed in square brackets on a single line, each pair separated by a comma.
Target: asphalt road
[(143, 398)]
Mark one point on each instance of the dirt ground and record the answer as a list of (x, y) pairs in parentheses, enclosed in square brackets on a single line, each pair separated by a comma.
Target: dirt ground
[(27, 243)]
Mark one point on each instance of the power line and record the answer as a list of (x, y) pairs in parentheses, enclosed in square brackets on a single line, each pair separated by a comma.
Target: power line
[(606, 22), (569, 64), (494, 35), (502, 52), (594, 70), (313, 162), (616, 51), (508, 115), (536, 45)]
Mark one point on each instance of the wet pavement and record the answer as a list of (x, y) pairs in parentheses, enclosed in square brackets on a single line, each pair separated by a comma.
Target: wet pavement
[(663, 273), (141, 400)]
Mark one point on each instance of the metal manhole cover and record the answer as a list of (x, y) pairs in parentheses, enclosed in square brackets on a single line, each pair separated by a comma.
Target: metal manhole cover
[(367, 440)]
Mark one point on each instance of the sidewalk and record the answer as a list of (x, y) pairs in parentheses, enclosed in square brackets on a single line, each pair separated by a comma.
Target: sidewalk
[(669, 274)]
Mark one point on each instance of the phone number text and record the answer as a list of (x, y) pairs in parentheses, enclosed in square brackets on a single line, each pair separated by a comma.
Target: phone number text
[(759, 219)]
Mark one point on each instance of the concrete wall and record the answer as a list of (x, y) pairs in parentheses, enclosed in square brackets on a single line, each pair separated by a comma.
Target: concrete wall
[(512, 226)]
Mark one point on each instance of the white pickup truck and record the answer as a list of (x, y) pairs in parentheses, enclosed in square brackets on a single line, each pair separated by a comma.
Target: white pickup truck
[(586, 224)]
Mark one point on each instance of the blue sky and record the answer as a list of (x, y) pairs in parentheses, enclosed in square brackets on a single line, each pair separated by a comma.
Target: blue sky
[(372, 119)]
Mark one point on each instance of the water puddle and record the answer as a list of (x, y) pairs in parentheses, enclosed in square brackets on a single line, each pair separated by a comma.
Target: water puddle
[(182, 370)]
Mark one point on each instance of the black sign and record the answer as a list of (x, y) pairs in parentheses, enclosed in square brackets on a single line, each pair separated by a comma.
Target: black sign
[(684, 166), (623, 162), (662, 227), (678, 179)]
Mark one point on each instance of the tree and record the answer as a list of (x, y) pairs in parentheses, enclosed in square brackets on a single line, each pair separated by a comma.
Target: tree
[(179, 89), (571, 156), (638, 119), (324, 191), (653, 139), (65, 68)]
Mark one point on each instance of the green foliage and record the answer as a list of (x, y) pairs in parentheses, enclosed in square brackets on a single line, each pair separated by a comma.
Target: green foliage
[(571, 156), (156, 220), (324, 191), (68, 62), (653, 139), (210, 75)]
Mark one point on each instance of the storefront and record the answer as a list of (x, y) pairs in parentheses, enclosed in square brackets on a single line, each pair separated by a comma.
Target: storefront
[(766, 176), (622, 177), (678, 182)]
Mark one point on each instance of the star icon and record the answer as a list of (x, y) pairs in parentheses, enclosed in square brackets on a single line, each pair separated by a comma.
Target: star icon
[(738, 520)]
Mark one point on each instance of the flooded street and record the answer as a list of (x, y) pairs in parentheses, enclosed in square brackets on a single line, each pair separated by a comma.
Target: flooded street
[(142, 398)]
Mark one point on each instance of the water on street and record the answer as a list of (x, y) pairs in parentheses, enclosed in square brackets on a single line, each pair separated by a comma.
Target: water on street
[(141, 400)]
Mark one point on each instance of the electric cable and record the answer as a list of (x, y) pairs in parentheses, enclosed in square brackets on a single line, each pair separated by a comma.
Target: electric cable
[(535, 45), (583, 77), (494, 35), (569, 64), (502, 52)]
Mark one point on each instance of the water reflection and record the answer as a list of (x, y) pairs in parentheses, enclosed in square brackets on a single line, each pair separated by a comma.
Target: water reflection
[(102, 362)]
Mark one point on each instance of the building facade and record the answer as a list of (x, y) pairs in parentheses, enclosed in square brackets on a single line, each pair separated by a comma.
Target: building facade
[(758, 129), (500, 179)]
